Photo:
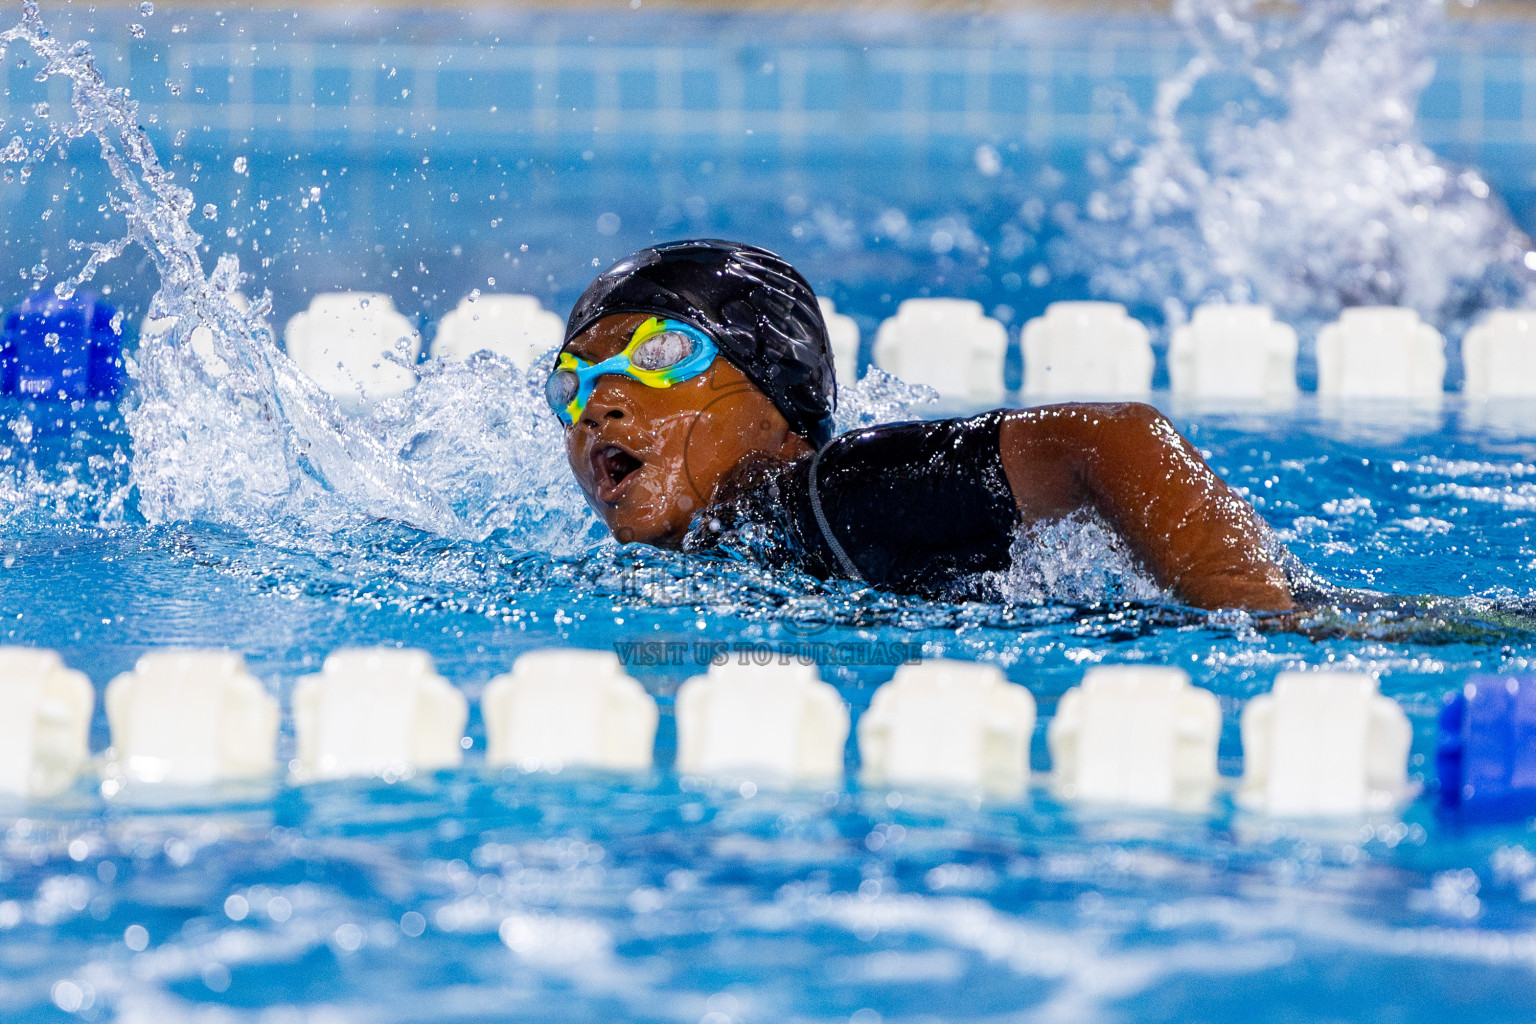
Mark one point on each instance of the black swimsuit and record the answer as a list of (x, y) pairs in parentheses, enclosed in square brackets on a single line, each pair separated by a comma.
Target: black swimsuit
[(919, 508)]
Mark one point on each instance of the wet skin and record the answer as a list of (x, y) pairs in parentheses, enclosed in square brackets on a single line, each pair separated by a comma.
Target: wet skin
[(649, 458), (1126, 462)]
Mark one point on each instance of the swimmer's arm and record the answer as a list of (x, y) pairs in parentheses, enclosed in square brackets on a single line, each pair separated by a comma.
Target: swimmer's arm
[(1126, 461)]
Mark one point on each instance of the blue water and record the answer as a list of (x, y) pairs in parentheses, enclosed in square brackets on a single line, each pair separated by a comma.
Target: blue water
[(851, 144), (587, 897), (493, 895)]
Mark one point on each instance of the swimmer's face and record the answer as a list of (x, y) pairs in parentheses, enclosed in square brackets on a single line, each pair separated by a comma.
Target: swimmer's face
[(649, 458)]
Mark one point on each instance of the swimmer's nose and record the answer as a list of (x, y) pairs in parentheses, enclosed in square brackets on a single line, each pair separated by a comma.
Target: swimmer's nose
[(603, 405)]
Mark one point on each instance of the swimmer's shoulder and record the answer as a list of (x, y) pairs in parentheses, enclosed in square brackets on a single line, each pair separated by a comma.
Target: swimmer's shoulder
[(908, 506), (905, 438), (876, 462)]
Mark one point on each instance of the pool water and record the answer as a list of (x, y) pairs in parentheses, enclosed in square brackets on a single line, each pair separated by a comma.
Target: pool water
[(484, 894), (445, 521)]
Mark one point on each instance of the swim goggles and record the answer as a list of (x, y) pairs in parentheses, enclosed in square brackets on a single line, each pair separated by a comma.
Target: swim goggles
[(661, 353)]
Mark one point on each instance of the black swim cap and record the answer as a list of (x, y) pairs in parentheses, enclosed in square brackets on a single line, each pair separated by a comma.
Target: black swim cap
[(759, 310)]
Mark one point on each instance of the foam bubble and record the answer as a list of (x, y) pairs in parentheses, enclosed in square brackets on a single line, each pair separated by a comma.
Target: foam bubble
[(1077, 559)]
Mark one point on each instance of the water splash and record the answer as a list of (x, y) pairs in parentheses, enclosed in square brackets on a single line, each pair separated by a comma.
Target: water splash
[(878, 397), (393, 503), (479, 434), (1077, 559), (237, 436), (258, 442), (1313, 194)]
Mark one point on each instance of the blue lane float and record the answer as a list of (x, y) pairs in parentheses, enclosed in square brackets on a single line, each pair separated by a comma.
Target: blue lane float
[(62, 350), (1486, 755)]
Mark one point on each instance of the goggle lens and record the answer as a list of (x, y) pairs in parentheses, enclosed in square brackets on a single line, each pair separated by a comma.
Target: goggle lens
[(660, 351), (560, 389)]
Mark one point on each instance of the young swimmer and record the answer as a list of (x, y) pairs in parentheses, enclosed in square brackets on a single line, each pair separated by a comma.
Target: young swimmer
[(697, 389)]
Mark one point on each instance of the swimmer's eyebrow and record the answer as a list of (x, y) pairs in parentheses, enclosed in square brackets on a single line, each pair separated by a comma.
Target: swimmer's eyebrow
[(589, 346), (581, 346)]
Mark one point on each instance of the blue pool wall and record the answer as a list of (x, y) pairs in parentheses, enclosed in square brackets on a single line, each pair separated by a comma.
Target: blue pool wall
[(442, 144)]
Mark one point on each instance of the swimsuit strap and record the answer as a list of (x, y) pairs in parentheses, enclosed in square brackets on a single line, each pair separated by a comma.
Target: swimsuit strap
[(821, 521)]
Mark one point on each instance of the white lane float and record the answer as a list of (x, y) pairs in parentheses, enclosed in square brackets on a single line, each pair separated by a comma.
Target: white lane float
[(1324, 743), (1233, 352), (948, 724), (190, 717), (1136, 735), (780, 720), (377, 711), (950, 345), (355, 345), (517, 327), (1087, 350), (45, 722), (1380, 352), (843, 331), (1499, 355), (560, 708)]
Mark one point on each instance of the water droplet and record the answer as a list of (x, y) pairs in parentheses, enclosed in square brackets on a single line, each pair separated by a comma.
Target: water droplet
[(136, 30), (211, 212), (146, 8), (988, 161), (240, 165), (41, 110), (474, 293)]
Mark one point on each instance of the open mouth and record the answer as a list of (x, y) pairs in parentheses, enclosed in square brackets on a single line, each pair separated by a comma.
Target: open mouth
[(612, 466)]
